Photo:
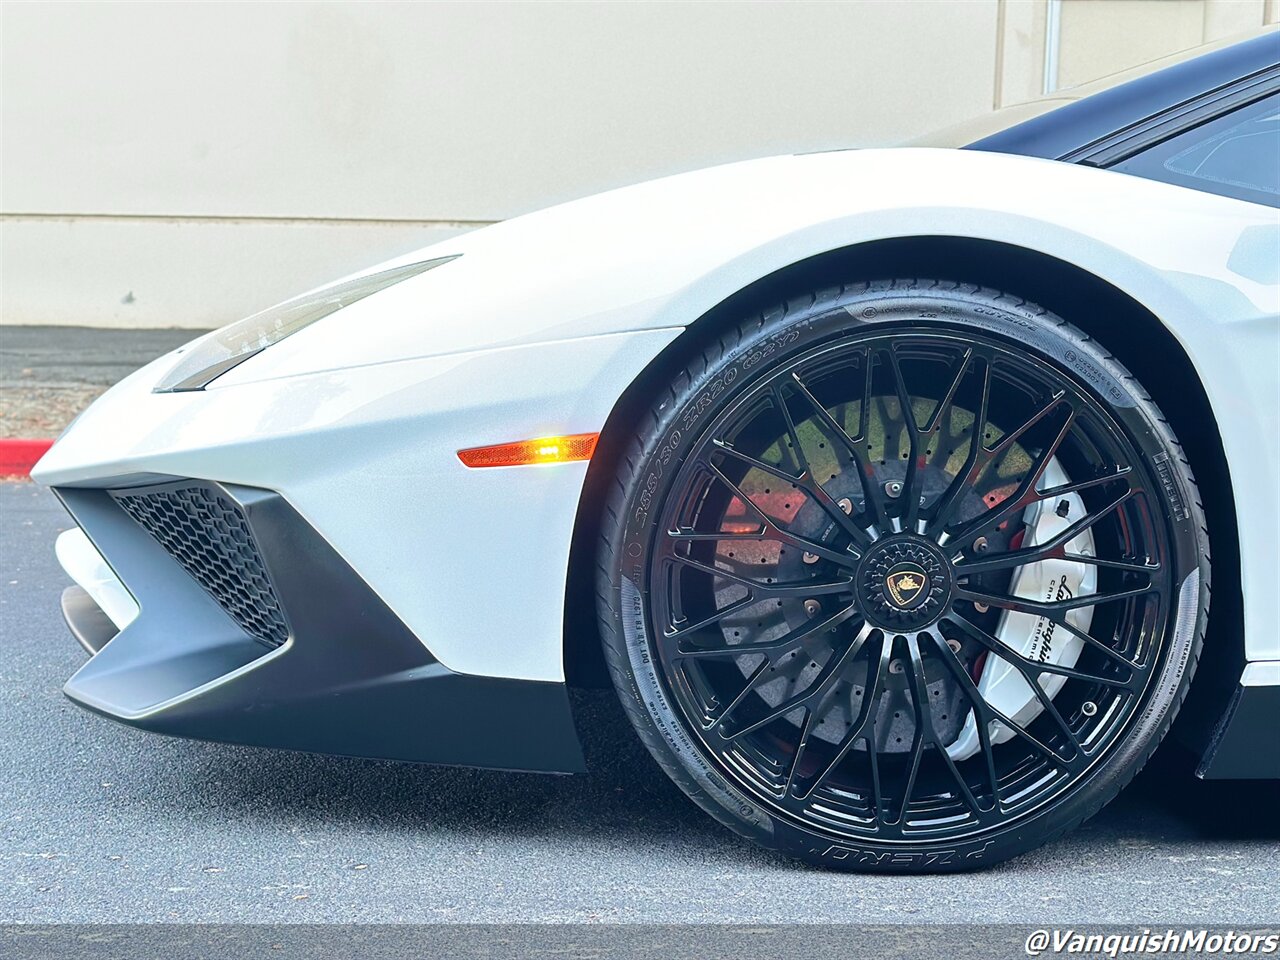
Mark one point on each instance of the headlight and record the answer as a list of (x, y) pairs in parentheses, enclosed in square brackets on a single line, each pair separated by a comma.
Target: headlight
[(223, 349)]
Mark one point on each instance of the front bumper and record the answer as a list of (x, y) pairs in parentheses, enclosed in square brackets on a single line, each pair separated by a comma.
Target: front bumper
[(473, 562), (332, 670)]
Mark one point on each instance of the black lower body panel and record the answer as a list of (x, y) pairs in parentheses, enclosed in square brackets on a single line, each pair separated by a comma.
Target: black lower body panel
[(1246, 742), (349, 679)]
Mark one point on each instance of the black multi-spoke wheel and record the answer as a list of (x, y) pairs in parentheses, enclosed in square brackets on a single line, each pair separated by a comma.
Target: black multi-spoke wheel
[(912, 576)]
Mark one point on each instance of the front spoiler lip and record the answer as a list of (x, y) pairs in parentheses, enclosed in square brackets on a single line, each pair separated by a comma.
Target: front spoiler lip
[(351, 679), (87, 621)]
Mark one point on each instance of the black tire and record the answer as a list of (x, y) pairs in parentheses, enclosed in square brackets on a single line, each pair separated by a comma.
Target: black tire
[(719, 374)]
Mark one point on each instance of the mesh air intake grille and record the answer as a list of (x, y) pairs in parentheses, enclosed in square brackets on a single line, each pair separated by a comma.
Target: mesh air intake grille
[(208, 535)]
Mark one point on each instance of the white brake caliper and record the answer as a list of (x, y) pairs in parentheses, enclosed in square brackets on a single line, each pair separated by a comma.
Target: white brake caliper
[(1037, 638)]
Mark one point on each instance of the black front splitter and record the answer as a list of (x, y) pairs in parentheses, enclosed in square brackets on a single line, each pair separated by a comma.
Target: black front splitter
[(351, 678)]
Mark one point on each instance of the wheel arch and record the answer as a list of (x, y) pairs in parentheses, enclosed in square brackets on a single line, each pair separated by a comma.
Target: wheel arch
[(1129, 330)]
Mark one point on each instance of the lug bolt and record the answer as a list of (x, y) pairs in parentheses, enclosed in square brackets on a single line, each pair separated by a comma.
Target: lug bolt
[(980, 545), (811, 607), (954, 645), (845, 504), (809, 557), (896, 666), (893, 488), (982, 607), (1088, 708)]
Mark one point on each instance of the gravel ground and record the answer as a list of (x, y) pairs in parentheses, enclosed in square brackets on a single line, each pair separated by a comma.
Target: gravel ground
[(101, 823), (49, 374)]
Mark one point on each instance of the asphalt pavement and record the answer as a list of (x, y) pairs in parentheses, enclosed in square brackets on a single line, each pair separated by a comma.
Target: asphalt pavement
[(102, 823), (92, 355), (49, 374)]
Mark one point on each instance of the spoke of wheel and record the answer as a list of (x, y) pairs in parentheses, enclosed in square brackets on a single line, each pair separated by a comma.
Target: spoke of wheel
[(810, 715), (873, 759), (778, 649), (806, 482), (774, 532), (783, 644), (861, 726), (688, 533), (975, 460), (980, 723), (910, 496), (1062, 621), (811, 484), (1052, 608), (777, 591), (678, 632), (1054, 547), (830, 674), (775, 393), (1017, 558), (1132, 566), (729, 449), (925, 724), (1025, 494), (984, 713), (1050, 493), (917, 753), (854, 445), (989, 756), (1029, 675), (944, 405), (761, 670), (1009, 439), (1028, 667)]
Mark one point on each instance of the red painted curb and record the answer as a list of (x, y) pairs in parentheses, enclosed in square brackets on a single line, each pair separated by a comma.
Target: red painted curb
[(17, 457)]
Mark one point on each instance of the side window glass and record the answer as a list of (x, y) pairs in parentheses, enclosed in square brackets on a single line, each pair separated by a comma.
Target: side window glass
[(1236, 155)]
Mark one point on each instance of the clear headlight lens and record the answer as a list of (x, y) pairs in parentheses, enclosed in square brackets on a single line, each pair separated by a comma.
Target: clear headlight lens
[(235, 343)]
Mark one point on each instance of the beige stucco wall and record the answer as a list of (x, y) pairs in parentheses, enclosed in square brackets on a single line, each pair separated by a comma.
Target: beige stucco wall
[(184, 164)]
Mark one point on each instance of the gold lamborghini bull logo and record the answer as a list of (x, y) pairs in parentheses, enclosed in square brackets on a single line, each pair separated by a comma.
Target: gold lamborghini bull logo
[(904, 587)]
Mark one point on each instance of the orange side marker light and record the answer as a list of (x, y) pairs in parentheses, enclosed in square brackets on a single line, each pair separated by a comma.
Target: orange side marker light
[(525, 452)]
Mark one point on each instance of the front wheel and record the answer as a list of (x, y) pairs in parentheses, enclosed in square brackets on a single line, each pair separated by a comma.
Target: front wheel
[(904, 576)]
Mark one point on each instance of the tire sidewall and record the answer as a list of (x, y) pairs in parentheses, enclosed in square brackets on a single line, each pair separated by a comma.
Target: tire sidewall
[(776, 338)]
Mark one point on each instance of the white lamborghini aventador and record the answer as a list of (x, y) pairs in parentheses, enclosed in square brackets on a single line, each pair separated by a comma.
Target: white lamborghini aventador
[(886, 485)]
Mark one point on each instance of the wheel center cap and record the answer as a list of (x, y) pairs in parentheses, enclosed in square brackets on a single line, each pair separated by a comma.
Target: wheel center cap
[(904, 583)]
